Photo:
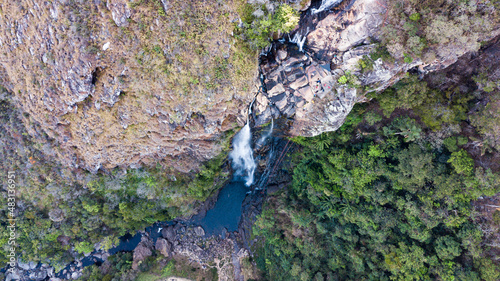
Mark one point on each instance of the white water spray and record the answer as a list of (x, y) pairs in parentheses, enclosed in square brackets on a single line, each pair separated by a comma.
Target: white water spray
[(242, 154), (299, 40), (264, 137), (325, 5)]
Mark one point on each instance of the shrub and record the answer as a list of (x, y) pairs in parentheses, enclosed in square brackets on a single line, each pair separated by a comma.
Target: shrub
[(415, 17), (462, 162), (372, 117), (342, 80), (258, 28), (84, 247), (451, 144)]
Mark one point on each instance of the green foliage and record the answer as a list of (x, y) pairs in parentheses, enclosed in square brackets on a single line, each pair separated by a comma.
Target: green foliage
[(442, 28), (407, 93), (259, 24), (486, 84), (461, 140), (496, 217), (408, 58), (349, 79), (372, 117), (434, 107), (84, 247), (487, 122), (462, 162), (415, 17), (406, 127), (169, 269), (375, 210), (451, 144), (342, 80), (381, 52), (365, 64)]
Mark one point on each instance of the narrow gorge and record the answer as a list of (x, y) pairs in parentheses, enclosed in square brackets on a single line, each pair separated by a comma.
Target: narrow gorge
[(169, 139)]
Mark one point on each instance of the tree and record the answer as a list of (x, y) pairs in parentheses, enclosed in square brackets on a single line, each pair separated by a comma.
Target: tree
[(462, 162)]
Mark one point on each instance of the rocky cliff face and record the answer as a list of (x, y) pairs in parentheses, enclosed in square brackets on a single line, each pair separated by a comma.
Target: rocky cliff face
[(125, 83), (317, 88)]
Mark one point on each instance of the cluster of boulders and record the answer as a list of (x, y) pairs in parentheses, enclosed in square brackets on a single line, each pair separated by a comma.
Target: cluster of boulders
[(30, 271), (179, 239)]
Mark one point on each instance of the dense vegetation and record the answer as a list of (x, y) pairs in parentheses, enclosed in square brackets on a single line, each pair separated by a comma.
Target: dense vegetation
[(385, 198), (260, 23), (433, 29)]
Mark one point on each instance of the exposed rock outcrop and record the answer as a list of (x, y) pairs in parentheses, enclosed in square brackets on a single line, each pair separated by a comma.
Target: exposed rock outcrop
[(109, 83), (106, 83), (164, 247), (317, 88), (142, 251)]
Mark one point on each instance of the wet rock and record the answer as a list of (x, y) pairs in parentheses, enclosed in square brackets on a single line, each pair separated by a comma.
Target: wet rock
[(199, 231), (12, 276), (23, 265), (163, 246), (141, 252), (38, 275), (75, 275), (50, 272), (299, 82), (280, 101), (282, 54), (168, 233), (275, 90)]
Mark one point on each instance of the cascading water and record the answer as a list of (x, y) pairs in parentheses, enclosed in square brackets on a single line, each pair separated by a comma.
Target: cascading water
[(299, 40), (264, 137), (325, 5), (242, 154)]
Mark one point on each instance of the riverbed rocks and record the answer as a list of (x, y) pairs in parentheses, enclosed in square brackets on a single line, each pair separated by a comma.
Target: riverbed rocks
[(301, 89), (142, 251), (163, 246), (31, 271)]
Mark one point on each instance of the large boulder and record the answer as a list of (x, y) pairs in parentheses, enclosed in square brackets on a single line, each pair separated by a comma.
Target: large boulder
[(141, 252), (164, 247)]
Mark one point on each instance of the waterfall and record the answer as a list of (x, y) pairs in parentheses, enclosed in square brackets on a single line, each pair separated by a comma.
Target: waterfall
[(242, 154), (299, 40), (325, 5)]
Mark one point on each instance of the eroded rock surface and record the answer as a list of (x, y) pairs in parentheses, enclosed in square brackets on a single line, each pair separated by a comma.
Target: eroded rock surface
[(115, 83), (317, 88)]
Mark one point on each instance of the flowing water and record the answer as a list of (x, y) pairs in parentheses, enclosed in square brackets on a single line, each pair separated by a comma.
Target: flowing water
[(299, 40), (325, 5), (242, 155)]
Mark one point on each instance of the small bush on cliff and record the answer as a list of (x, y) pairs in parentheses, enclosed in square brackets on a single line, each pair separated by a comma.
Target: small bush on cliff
[(259, 25)]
